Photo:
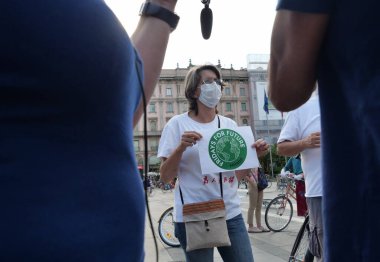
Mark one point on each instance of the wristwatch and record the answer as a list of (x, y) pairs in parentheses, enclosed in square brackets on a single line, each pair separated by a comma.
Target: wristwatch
[(150, 9)]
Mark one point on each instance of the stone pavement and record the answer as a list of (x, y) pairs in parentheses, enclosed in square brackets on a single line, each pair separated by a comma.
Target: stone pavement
[(271, 246)]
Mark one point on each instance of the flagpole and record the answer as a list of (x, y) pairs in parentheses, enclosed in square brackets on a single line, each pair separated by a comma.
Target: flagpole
[(270, 147), (266, 109), (282, 124)]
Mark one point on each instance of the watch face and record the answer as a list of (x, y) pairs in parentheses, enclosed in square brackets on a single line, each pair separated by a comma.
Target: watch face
[(149, 9), (143, 8)]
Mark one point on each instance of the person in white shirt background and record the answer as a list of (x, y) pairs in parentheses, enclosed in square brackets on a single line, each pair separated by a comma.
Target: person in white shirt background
[(301, 135)]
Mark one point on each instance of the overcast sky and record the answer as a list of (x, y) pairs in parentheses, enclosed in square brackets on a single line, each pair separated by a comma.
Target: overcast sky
[(240, 27)]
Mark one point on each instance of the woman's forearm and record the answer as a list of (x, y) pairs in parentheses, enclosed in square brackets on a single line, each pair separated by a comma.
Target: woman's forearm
[(169, 166)]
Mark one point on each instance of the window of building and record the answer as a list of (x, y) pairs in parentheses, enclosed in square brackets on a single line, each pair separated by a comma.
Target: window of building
[(243, 106), (245, 122), (169, 91), (227, 91), (136, 144), (169, 107), (153, 145), (228, 107), (152, 107), (242, 91), (184, 107), (153, 125)]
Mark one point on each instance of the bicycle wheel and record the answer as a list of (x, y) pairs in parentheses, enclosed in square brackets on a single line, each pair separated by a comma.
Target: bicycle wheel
[(166, 228), (301, 244), (279, 213)]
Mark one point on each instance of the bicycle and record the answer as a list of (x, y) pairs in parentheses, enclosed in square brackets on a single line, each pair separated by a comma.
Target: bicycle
[(281, 184), (166, 228), (300, 248), (266, 202), (279, 211)]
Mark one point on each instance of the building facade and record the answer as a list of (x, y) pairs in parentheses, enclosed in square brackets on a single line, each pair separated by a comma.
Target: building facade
[(267, 126)]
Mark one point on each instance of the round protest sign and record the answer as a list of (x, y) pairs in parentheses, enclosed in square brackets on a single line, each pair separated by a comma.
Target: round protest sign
[(227, 149)]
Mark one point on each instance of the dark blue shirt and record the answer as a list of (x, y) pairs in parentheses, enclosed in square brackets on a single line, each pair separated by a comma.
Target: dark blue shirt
[(349, 90), (69, 186)]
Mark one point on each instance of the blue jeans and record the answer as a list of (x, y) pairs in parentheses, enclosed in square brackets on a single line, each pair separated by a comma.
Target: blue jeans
[(239, 251)]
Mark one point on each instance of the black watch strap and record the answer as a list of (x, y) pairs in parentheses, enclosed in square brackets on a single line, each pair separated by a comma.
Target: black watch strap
[(150, 9)]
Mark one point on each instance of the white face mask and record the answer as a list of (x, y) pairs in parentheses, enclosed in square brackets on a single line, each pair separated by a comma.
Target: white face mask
[(210, 94)]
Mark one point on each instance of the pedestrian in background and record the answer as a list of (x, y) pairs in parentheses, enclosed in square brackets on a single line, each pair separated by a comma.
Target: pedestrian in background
[(300, 134), (294, 167), (255, 203)]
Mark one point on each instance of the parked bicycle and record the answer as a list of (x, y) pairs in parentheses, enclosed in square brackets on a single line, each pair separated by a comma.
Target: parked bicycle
[(281, 184), (166, 228), (279, 211), (300, 248), (266, 202)]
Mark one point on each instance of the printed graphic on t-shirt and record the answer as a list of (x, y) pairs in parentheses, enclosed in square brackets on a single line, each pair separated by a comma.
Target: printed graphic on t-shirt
[(208, 179)]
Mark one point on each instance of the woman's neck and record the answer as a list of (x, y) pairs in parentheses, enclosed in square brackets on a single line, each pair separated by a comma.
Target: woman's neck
[(204, 115)]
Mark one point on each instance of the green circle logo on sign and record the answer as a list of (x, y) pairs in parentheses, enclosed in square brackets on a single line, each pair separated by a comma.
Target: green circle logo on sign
[(227, 149)]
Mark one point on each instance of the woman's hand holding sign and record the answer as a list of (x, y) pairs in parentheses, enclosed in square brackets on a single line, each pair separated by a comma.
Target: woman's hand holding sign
[(261, 150)]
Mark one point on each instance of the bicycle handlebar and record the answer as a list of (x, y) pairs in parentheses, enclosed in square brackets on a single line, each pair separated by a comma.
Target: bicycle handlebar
[(295, 177)]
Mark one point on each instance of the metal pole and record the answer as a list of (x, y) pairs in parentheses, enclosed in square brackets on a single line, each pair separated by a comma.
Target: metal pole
[(282, 124), (270, 147)]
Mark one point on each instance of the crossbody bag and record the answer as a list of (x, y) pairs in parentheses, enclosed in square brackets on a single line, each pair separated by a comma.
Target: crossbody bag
[(205, 222)]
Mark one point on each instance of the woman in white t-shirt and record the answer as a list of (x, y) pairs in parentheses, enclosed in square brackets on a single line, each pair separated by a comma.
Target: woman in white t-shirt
[(179, 154)]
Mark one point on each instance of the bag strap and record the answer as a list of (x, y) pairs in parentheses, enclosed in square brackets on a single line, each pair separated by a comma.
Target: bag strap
[(220, 177)]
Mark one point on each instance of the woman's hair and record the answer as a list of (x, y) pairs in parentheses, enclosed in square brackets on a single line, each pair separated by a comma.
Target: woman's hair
[(192, 82)]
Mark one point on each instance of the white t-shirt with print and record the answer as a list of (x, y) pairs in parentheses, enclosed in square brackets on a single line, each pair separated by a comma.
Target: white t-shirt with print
[(195, 186), (299, 124)]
